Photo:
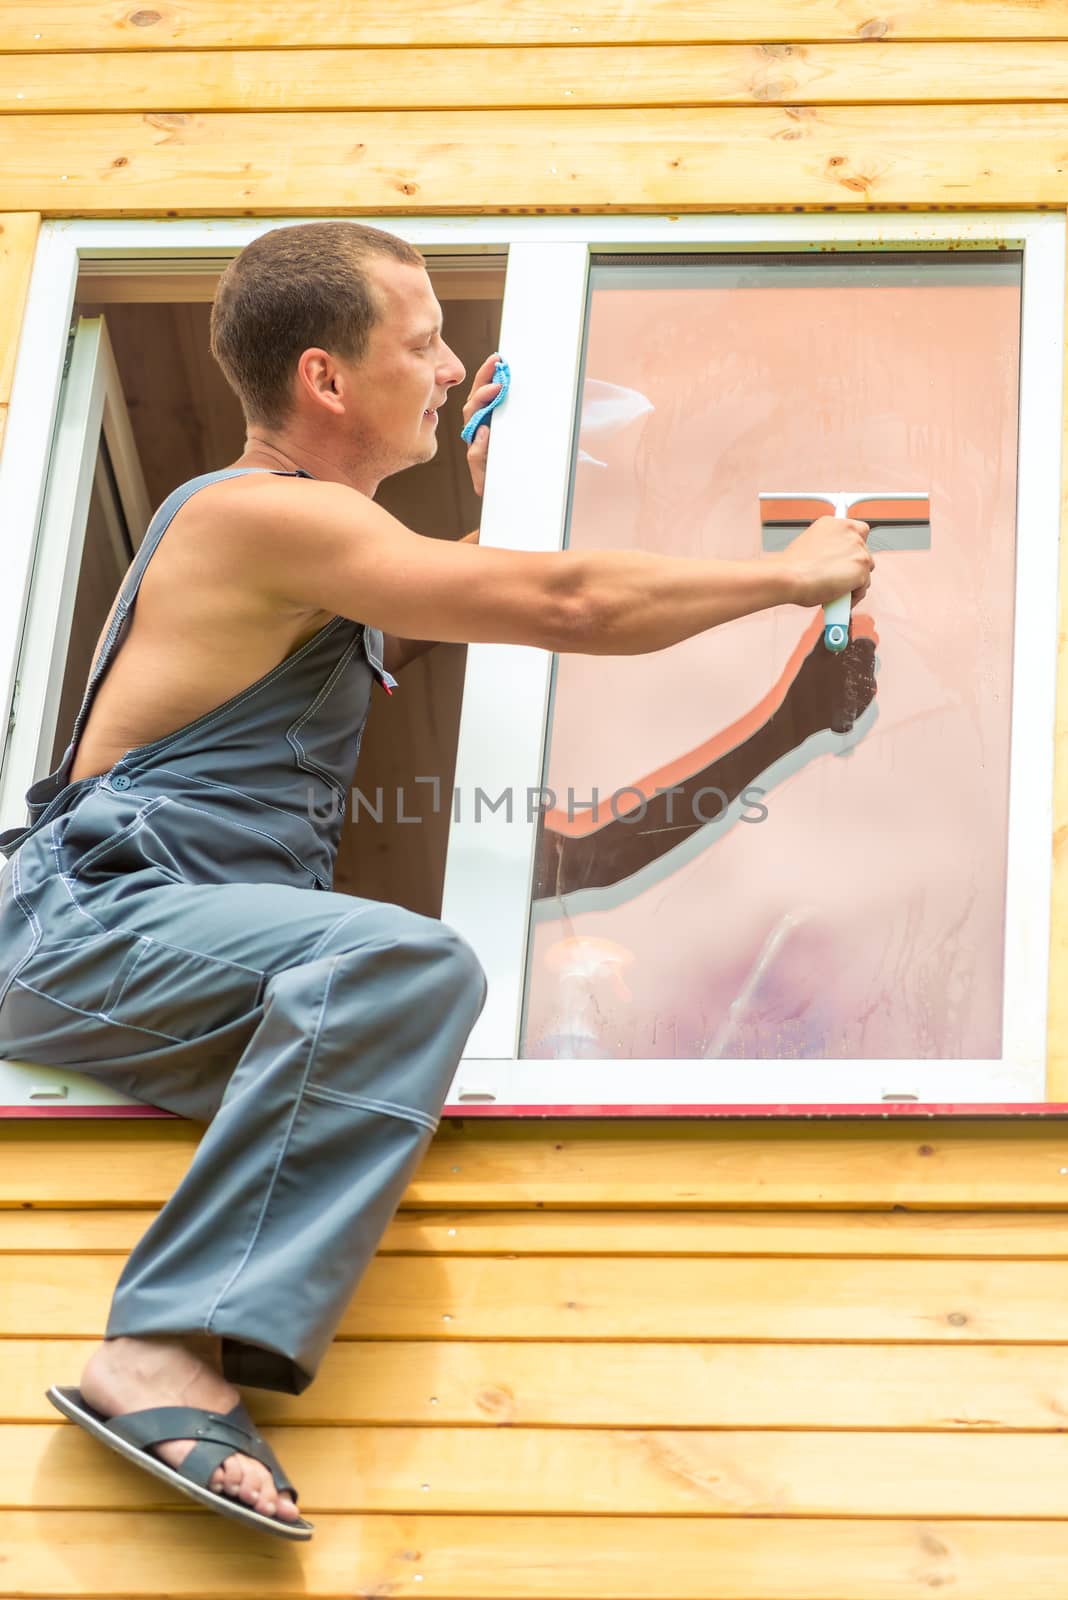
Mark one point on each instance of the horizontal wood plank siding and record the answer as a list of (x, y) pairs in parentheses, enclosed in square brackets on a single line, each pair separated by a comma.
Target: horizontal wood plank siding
[(386, 162), (656, 1166), (947, 1388), (742, 1397), (591, 1297), (122, 1556), (610, 1472), (18, 240), (935, 1235), (224, 25), (569, 77)]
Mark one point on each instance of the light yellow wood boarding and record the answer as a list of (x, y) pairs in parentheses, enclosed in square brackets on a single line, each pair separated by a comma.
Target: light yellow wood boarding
[(189, 24), (592, 1472), (18, 240), (1057, 1026), (539, 1297), (950, 1388), (532, 1558), (386, 162), (932, 1234), (570, 77), (942, 1164)]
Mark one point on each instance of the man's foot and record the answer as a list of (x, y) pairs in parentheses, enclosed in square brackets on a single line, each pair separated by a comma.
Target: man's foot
[(133, 1374)]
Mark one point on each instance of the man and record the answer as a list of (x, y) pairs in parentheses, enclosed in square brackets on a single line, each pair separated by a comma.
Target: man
[(167, 920)]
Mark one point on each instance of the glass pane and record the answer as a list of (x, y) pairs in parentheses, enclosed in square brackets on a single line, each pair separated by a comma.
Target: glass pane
[(827, 879)]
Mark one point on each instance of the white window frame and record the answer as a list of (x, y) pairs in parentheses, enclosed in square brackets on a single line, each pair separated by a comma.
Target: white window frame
[(506, 698), (93, 410)]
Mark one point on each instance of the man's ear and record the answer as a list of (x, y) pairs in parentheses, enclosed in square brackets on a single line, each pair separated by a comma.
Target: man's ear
[(321, 378)]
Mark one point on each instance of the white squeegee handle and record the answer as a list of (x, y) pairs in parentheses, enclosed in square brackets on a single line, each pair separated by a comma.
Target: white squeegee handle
[(836, 612)]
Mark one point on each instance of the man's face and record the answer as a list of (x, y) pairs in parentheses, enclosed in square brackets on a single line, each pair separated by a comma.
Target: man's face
[(394, 392)]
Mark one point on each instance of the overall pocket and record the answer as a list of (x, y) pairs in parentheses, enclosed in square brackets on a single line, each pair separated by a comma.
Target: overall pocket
[(128, 979), (115, 849)]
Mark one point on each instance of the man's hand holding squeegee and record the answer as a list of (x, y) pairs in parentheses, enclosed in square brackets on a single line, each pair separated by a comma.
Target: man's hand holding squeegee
[(895, 520)]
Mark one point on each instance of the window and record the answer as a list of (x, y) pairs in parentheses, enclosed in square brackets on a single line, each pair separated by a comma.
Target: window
[(748, 878), (741, 872), (782, 864)]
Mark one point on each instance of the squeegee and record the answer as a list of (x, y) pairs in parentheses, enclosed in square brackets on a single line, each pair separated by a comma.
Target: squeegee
[(898, 521)]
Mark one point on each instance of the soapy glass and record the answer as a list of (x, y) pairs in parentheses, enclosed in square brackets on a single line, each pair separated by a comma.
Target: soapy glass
[(855, 908)]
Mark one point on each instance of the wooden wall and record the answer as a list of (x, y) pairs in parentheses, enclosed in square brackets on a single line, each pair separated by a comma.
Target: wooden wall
[(737, 1361), (18, 240), (762, 1361), (172, 107)]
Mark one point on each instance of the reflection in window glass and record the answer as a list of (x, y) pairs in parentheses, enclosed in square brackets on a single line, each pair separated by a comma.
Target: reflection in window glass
[(791, 854)]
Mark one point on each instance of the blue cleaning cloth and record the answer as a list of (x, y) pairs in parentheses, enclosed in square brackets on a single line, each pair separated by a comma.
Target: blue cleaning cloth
[(501, 375)]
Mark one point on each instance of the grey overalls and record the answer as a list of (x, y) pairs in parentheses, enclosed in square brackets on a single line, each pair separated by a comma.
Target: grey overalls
[(169, 927)]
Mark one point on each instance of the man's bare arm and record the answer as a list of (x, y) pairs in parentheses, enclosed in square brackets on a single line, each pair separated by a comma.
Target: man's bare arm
[(396, 653), (326, 546)]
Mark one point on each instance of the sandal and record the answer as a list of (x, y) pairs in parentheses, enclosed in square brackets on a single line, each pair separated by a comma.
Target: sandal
[(132, 1433)]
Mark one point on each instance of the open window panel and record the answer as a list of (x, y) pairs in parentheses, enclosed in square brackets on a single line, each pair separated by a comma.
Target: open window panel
[(142, 408), (749, 873)]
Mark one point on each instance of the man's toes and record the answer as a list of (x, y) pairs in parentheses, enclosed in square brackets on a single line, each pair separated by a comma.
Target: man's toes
[(256, 1482), (267, 1504), (233, 1475), (266, 1495)]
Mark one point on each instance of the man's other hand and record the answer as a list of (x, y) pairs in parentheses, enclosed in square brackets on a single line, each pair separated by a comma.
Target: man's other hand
[(483, 390)]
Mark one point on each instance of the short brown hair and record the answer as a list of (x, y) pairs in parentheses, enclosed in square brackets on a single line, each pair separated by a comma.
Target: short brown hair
[(291, 289)]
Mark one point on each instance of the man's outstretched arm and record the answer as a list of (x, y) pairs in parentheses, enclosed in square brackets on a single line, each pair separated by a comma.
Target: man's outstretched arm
[(327, 547), (398, 652)]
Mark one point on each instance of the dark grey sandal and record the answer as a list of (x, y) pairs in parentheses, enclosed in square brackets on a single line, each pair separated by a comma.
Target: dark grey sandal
[(220, 1436)]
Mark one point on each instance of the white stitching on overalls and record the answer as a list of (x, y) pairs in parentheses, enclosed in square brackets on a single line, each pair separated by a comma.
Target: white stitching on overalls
[(35, 927), (187, 805), (292, 732), (227, 788), (210, 717), (98, 1016), (383, 1108), (200, 955), (23, 904), (120, 837), (65, 881), (143, 946), (284, 1146), (350, 916)]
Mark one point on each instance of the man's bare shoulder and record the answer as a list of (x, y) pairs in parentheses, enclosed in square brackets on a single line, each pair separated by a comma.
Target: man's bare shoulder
[(265, 500), (258, 530), (299, 543)]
